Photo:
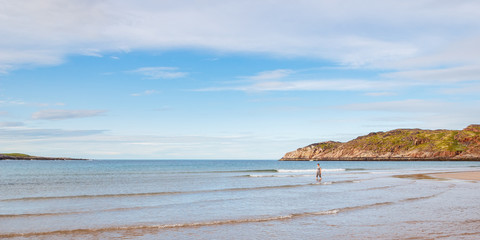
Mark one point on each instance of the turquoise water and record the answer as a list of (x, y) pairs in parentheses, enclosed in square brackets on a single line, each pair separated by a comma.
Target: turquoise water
[(186, 199)]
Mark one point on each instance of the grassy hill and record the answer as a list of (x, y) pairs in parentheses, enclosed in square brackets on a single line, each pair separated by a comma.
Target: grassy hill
[(399, 144)]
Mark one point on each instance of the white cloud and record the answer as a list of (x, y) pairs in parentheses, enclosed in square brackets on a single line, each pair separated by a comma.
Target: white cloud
[(144, 93), (462, 89), (418, 113), (443, 75), (409, 105), (295, 80), (11, 124), (30, 134), (56, 114), (160, 72), (91, 52), (5, 68), (24, 103), (375, 33), (380, 94), (316, 85), (269, 75), (11, 59), (460, 51)]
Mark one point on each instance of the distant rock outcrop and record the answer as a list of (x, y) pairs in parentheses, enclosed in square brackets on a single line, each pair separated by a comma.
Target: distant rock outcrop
[(399, 144), (21, 156)]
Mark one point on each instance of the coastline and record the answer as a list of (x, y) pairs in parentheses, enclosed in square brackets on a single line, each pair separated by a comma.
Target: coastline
[(397, 145), (471, 175), (16, 156), (392, 159)]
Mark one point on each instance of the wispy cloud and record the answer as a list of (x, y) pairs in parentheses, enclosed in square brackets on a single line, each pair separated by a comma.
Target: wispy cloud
[(372, 34), (271, 75), (28, 134), (380, 94), (440, 75), (144, 93), (91, 52), (56, 114), (408, 113), (11, 124), (408, 105), (316, 85), (5, 68), (160, 72), (462, 89), (451, 51), (12, 102), (24, 103), (307, 80)]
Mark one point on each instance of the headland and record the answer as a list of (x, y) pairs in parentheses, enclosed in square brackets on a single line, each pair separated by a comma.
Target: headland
[(21, 156), (397, 145)]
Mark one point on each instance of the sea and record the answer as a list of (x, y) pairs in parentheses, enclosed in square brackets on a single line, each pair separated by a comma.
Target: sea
[(236, 199)]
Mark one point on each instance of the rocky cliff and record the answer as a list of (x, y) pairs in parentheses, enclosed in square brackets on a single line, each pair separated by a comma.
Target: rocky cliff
[(399, 144)]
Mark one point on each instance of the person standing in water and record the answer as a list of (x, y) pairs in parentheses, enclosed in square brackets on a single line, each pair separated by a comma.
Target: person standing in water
[(319, 172)]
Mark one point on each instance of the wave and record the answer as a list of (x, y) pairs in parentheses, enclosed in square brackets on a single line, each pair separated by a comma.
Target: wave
[(92, 196), (309, 170), (147, 194), (380, 188), (280, 176), (295, 172), (38, 214), (220, 171), (422, 198), (274, 170), (171, 193), (355, 169), (230, 171), (169, 226), (22, 215), (215, 222), (255, 170), (197, 224), (67, 213)]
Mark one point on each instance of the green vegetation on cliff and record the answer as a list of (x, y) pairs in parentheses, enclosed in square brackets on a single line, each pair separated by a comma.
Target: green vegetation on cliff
[(399, 144), (16, 155), (421, 140), (21, 156)]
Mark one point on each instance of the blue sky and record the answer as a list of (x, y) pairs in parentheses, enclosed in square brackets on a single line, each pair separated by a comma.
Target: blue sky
[(230, 79)]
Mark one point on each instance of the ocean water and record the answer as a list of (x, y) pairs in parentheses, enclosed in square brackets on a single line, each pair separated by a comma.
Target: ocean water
[(186, 199)]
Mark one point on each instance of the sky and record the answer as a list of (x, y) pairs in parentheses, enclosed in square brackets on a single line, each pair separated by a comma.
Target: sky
[(230, 79)]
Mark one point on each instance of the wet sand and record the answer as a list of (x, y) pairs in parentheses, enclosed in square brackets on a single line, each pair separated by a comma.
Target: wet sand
[(459, 175)]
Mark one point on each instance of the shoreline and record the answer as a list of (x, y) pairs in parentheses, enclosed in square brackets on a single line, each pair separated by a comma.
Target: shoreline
[(384, 159), (470, 175)]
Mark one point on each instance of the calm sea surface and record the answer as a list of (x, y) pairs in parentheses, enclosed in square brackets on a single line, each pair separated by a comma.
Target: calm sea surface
[(235, 200)]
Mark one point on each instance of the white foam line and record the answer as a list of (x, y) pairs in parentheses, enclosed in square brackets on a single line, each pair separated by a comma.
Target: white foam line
[(309, 170)]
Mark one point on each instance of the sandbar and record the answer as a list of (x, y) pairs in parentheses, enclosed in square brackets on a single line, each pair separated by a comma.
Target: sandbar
[(459, 175)]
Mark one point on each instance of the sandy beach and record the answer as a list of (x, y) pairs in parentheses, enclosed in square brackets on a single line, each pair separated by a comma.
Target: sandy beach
[(459, 175)]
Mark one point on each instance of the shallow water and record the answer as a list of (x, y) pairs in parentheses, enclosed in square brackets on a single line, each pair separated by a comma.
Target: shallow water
[(235, 199)]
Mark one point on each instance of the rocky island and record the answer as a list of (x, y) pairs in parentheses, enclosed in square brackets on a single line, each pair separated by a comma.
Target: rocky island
[(21, 156), (397, 145)]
